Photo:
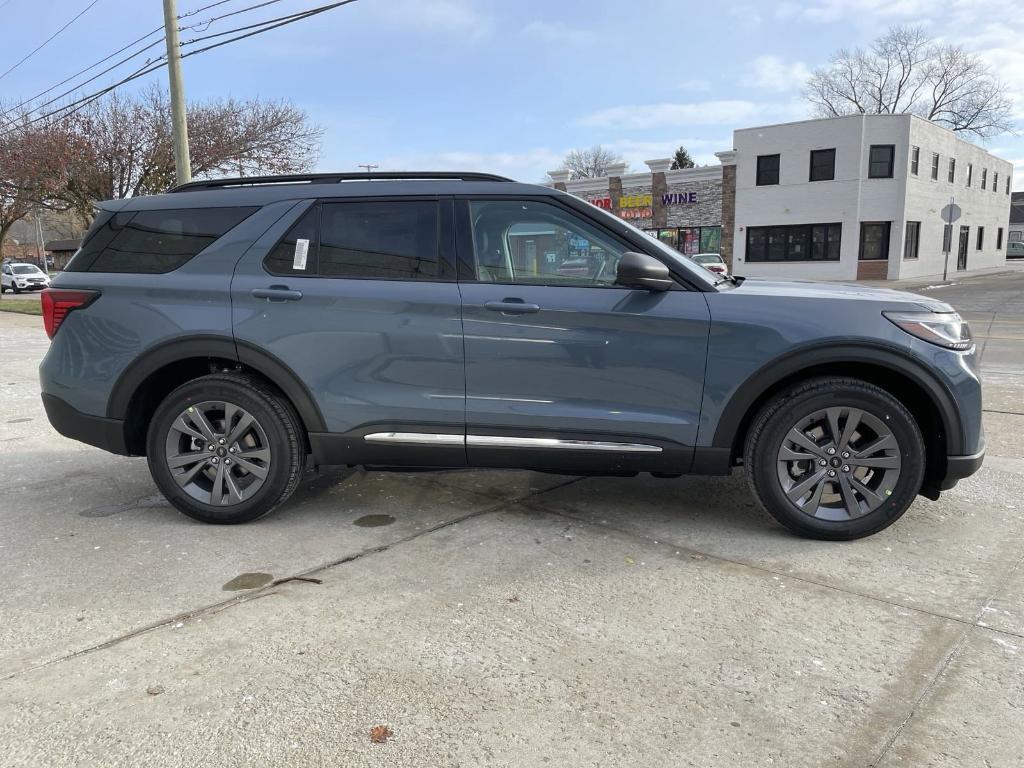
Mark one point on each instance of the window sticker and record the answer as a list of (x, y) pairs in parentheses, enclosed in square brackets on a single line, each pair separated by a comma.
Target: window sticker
[(301, 251)]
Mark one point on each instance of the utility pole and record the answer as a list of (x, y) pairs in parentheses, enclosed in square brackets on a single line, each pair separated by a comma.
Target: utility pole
[(369, 168), (179, 118)]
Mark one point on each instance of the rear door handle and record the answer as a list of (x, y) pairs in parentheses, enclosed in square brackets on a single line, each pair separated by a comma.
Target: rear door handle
[(276, 293), (512, 307)]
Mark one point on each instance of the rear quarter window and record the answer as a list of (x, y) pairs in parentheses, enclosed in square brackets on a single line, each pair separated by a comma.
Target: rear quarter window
[(154, 242)]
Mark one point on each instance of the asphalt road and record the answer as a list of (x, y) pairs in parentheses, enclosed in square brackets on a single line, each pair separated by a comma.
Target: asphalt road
[(506, 618)]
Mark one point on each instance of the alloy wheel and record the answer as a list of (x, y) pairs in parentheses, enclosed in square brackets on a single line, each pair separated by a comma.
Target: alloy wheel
[(218, 453), (839, 463)]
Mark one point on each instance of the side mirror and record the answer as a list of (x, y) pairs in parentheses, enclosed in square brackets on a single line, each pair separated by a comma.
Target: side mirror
[(638, 270)]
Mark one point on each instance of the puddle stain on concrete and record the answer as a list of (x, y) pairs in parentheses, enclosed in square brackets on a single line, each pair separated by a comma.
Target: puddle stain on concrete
[(373, 521), (248, 581), (17, 421)]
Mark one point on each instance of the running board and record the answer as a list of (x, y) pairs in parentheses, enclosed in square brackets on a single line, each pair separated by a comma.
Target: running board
[(499, 441)]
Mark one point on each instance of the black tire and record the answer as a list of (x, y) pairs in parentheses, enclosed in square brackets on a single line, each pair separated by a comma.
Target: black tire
[(767, 471), (16, 289), (278, 422)]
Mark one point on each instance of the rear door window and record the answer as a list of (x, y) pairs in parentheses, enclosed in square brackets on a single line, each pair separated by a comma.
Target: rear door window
[(377, 240), (154, 242), (389, 240)]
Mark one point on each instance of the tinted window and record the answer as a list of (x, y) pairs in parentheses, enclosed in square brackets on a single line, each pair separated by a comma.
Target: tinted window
[(540, 244), (767, 170), (874, 240), (800, 242), (25, 269), (912, 240), (880, 161), (154, 242), (823, 164), (383, 240), (286, 257)]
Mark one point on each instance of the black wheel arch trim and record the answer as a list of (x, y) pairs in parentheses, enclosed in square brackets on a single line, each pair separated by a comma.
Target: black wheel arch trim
[(738, 405), (214, 346)]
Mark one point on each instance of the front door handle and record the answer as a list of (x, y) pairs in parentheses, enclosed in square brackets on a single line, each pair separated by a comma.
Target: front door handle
[(276, 293), (512, 307)]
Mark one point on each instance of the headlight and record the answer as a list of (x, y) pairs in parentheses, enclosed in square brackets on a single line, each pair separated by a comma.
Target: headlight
[(945, 329)]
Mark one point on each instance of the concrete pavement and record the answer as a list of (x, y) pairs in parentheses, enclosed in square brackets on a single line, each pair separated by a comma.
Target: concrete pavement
[(506, 618)]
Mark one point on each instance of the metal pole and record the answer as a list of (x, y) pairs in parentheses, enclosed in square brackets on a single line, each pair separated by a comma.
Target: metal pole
[(945, 266), (179, 118)]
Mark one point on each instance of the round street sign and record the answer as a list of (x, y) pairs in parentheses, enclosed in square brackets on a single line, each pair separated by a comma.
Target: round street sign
[(951, 212)]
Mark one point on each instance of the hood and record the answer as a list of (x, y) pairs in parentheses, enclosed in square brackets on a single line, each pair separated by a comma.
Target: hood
[(812, 289)]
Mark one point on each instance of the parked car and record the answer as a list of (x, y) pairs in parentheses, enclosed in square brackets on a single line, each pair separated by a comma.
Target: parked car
[(236, 331), (1015, 250), (711, 261), (19, 277)]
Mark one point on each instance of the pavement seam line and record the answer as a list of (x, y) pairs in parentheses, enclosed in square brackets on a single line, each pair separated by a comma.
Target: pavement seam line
[(267, 591), (954, 651), (802, 579)]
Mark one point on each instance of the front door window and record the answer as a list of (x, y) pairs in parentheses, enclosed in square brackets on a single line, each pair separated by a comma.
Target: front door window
[(874, 240), (536, 243)]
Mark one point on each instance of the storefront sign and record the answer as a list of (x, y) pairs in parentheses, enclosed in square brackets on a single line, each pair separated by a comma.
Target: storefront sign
[(602, 202), (679, 198), (635, 201), (636, 213)]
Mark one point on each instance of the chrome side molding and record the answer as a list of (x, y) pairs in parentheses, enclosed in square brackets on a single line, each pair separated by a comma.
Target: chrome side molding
[(500, 441), (415, 438)]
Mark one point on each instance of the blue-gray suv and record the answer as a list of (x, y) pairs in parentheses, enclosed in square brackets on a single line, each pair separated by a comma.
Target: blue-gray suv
[(238, 331)]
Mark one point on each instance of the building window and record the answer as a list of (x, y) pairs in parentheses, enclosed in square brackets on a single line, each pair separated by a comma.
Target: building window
[(874, 240), (947, 238), (692, 240), (999, 239), (1007, 184), (800, 242), (970, 173), (935, 166), (915, 159), (912, 240), (767, 170), (981, 238), (984, 177), (880, 161), (823, 164), (952, 170), (995, 181)]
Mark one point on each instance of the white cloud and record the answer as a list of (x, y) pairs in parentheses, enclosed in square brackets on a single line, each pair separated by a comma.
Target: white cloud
[(776, 74), (558, 33), (733, 113), (460, 18)]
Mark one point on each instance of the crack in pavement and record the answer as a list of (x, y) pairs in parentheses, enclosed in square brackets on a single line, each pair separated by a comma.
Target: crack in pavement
[(267, 591), (690, 551)]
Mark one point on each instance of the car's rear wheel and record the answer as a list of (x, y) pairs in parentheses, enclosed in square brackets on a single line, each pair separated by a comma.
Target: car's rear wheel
[(226, 448), (835, 458)]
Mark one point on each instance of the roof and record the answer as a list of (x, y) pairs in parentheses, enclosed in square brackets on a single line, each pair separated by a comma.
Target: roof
[(62, 245), (232, 192)]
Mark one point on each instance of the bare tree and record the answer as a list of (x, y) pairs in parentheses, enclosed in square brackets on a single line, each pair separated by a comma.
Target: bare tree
[(905, 71), (123, 147), (35, 158), (590, 163)]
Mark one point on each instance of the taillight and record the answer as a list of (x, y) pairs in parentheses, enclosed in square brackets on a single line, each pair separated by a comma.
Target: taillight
[(57, 302)]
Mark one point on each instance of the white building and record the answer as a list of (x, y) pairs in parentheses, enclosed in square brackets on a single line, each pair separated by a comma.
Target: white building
[(863, 197)]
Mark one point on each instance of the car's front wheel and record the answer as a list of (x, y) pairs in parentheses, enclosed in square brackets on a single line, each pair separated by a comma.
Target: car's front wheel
[(226, 448), (835, 458)]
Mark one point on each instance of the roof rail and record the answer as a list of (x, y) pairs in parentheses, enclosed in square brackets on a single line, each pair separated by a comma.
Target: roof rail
[(335, 178)]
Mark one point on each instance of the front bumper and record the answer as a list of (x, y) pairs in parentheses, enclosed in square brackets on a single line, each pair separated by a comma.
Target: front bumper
[(101, 432)]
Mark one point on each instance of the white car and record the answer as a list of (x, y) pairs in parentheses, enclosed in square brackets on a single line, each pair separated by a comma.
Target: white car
[(713, 262), (23, 277)]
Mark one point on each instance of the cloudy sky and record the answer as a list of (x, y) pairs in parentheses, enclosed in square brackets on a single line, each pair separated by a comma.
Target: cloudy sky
[(510, 85)]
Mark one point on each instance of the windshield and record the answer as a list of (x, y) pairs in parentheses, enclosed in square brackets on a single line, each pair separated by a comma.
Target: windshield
[(26, 269), (698, 274)]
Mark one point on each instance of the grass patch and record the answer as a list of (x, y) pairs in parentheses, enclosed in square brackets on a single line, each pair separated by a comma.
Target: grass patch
[(24, 307)]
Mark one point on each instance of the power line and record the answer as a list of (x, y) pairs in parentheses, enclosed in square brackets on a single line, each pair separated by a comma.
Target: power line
[(47, 40), (121, 50), (206, 24), (151, 66)]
